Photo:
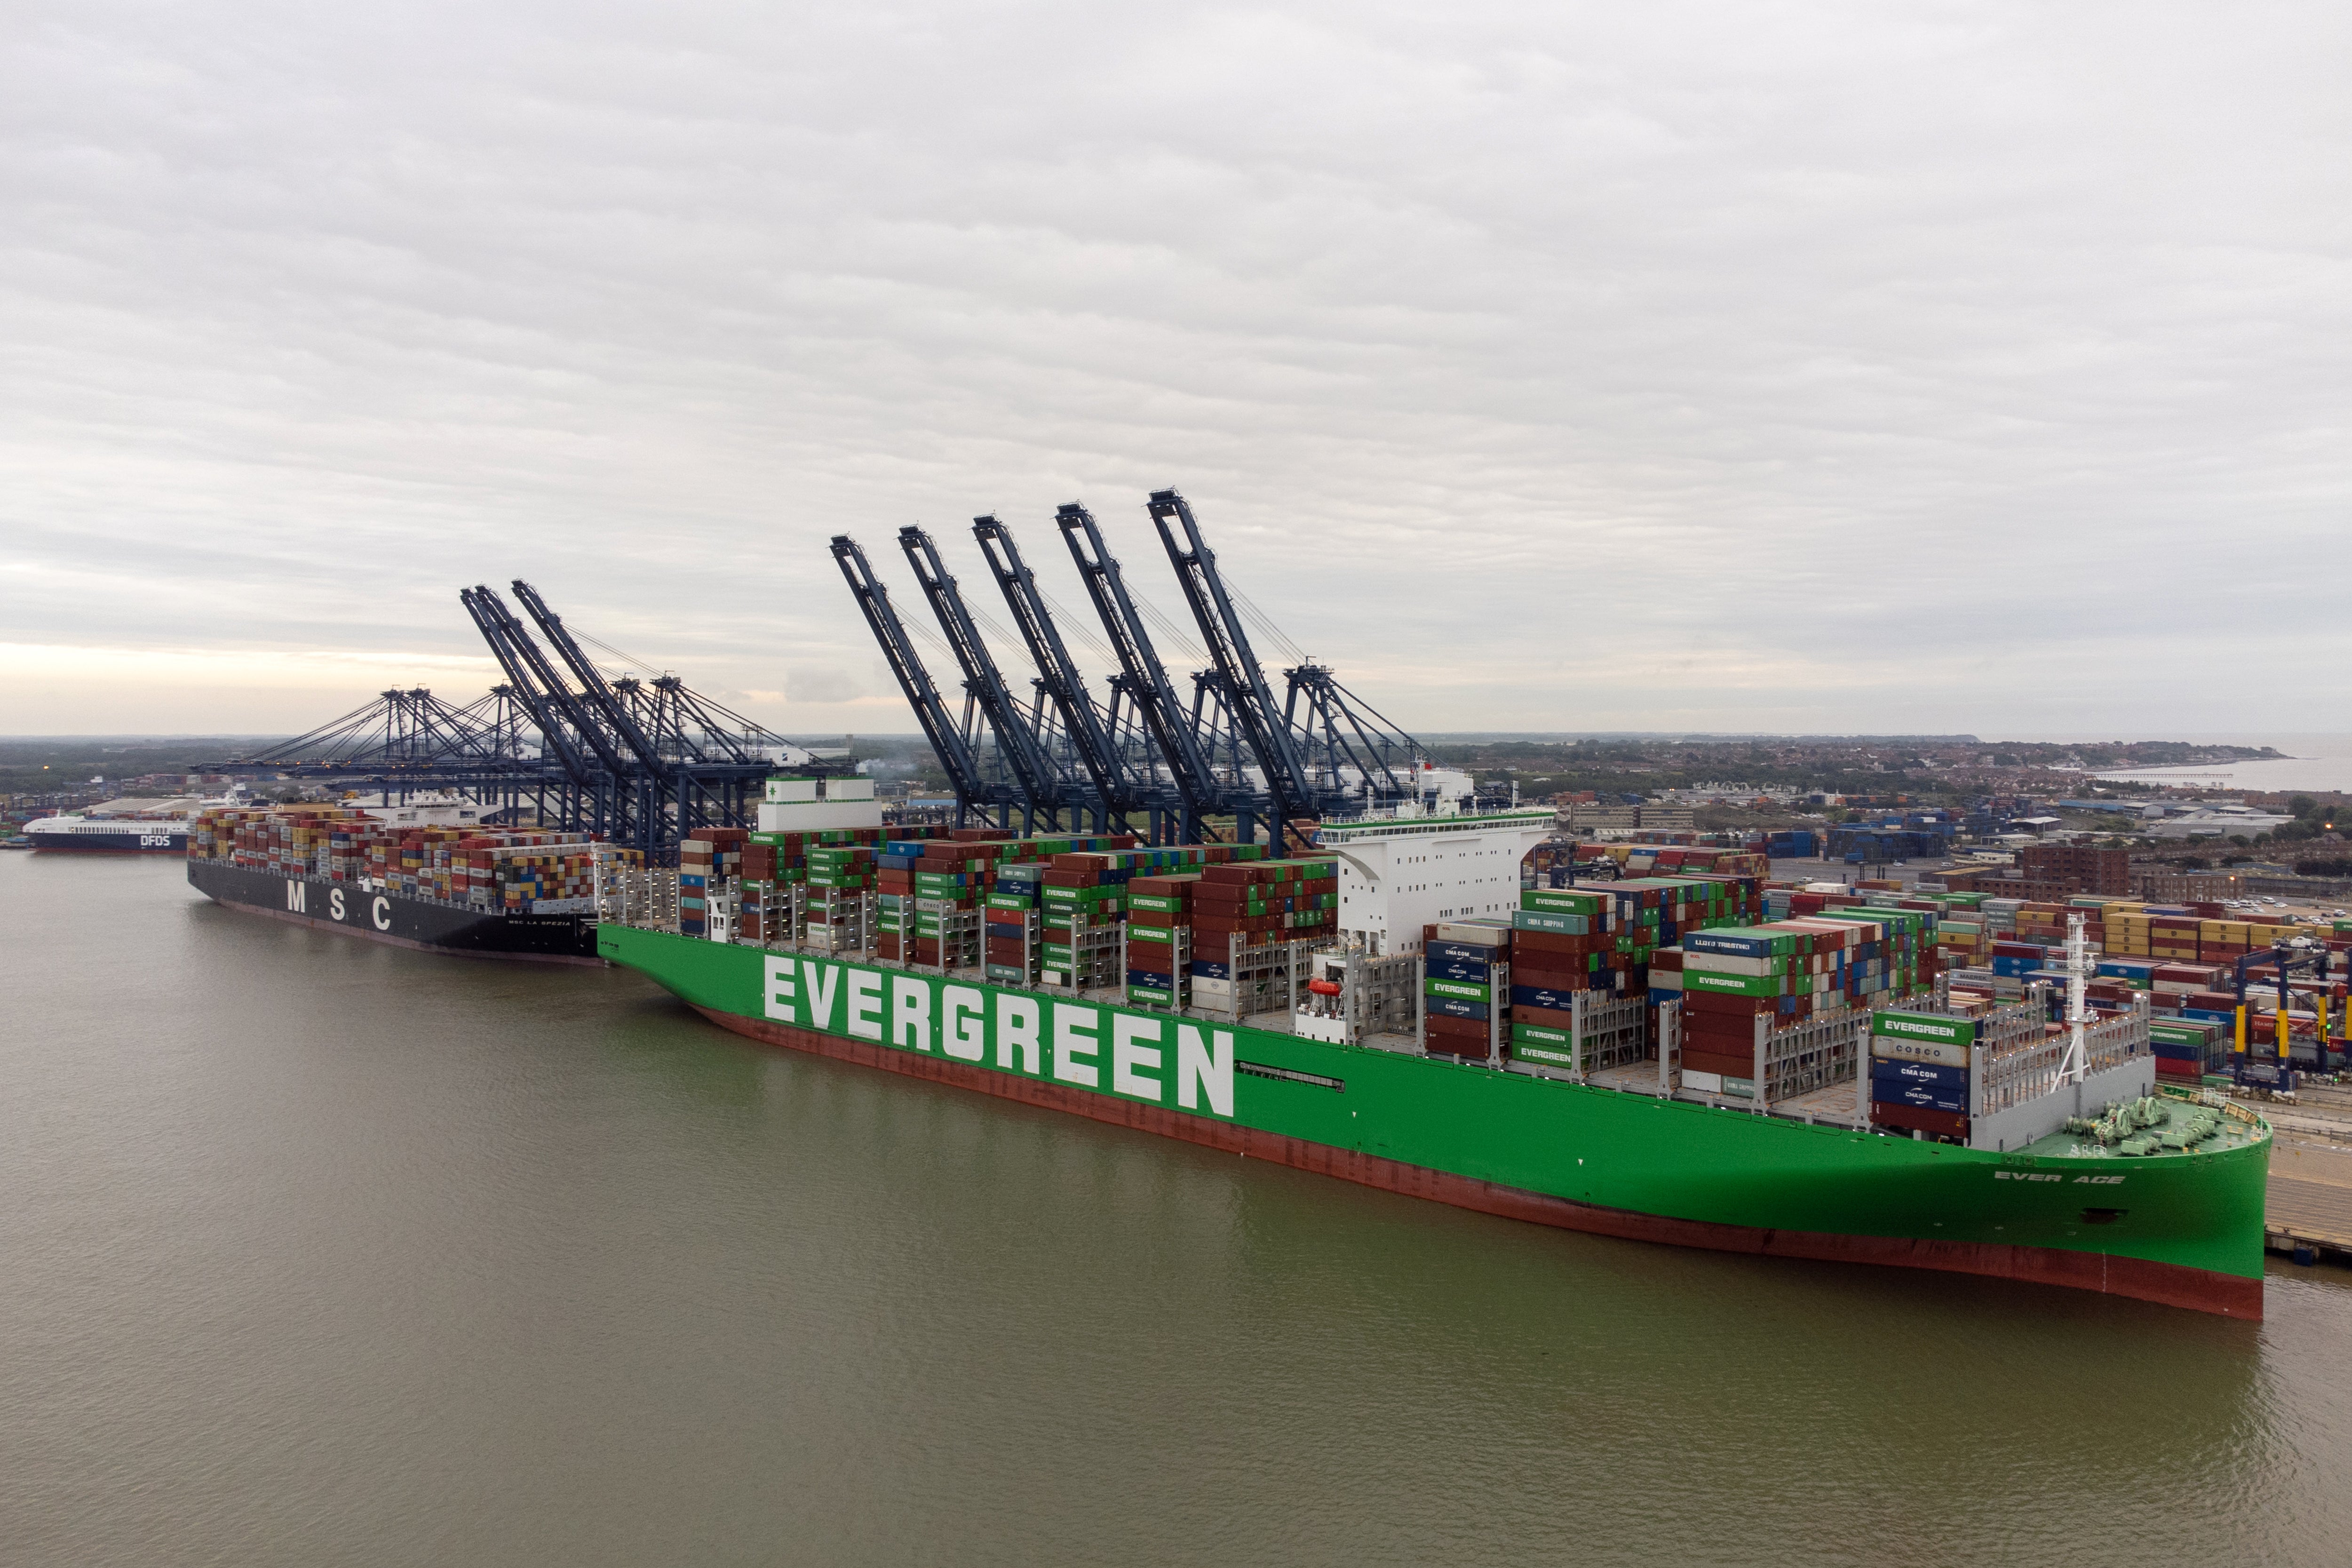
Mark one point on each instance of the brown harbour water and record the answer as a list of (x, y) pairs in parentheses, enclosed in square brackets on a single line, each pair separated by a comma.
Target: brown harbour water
[(318, 1252)]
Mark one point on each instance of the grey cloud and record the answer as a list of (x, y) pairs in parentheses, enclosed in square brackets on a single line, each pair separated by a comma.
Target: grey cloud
[(1537, 365)]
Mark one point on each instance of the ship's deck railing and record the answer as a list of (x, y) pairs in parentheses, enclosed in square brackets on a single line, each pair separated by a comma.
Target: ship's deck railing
[(2016, 1073), (1822, 1052), (637, 896), (1611, 1031)]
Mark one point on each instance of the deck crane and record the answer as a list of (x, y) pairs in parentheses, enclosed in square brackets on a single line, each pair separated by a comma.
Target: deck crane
[(1244, 689), (1029, 757), (1115, 782), (938, 726), (1142, 678)]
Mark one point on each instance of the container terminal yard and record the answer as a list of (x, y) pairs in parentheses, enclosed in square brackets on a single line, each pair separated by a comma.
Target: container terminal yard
[(1264, 917)]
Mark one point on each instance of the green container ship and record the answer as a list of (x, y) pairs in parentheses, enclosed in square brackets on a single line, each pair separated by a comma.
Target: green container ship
[(1383, 998), (2172, 1219)]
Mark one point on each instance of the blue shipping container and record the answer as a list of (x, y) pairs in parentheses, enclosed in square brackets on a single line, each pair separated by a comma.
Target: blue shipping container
[(1886, 1069), (1921, 1097), (1732, 942)]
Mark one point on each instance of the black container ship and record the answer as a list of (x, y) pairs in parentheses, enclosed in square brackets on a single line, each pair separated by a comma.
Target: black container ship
[(430, 876)]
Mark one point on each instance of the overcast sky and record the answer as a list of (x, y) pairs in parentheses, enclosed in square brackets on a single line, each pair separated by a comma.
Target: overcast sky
[(1539, 366)]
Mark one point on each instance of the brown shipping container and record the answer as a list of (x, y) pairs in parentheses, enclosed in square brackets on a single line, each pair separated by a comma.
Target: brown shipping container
[(1717, 1027), (1528, 941), (1448, 1046)]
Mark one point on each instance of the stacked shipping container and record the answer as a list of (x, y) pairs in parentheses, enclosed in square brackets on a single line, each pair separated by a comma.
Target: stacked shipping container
[(514, 870), (1467, 988), (1244, 906)]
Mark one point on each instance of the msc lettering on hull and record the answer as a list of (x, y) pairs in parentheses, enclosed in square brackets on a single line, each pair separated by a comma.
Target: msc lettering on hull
[(376, 909), (1161, 1061)]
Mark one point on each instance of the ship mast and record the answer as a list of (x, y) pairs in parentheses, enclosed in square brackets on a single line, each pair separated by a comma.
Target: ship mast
[(2076, 1065)]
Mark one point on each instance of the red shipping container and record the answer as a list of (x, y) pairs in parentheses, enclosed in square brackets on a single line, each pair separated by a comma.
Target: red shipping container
[(1719, 1026)]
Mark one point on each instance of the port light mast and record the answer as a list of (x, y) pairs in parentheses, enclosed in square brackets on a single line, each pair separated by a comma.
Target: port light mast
[(2076, 1065)]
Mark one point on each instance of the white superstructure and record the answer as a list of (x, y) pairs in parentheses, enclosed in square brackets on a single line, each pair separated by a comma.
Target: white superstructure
[(423, 808), (816, 805), (131, 825), (165, 834), (1402, 871)]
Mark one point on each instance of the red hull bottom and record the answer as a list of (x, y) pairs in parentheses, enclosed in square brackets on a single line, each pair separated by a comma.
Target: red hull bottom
[(391, 941), (2170, 1285)]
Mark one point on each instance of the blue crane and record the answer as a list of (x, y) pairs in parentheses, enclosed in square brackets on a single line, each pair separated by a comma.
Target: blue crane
[(1249, 699), (1142, 678), (593, 689), (1341, 732), (1018, 743), (641, 765), (552, 712), (1121, 791), (648, 780), (971, 789), (409, 740)]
